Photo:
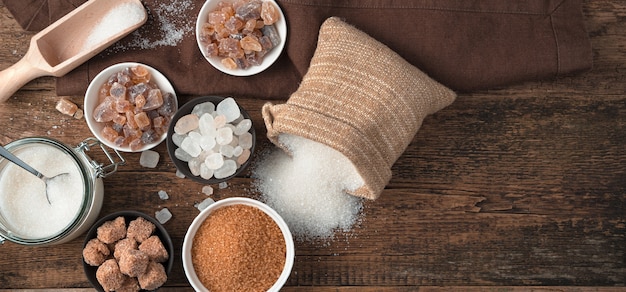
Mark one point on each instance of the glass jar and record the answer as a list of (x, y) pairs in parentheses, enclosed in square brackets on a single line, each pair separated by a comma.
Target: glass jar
[(65, 217)]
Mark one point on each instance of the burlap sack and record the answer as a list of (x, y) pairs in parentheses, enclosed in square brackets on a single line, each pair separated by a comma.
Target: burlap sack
[(360, 98)]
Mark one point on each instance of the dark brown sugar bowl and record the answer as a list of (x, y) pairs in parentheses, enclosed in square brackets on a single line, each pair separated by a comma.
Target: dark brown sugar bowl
[(211, 139), (153, 276)]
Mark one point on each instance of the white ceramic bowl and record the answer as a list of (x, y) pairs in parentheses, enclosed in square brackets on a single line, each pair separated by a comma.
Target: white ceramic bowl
[(91, 101), (268, 60), (193, 228)]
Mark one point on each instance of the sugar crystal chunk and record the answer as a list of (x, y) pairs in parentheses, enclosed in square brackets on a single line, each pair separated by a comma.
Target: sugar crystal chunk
[(207, 190), (205, 172), (195, 136), (229, 168), (79, 114), (169, 105), (66, 107), (249, 10), (271, 32), (227, 150), (154, 100), (222, 185), (104, 112), (224, 136), (182, 155), (269, 13), (186, 123), (177, 139), (207, 142), (206, 124), (229, 108), (149, 158), (194, 166), (142, 120), (179, 174), (163, 215), (214, 161), (229, 63), (245, 155), (237, 151), (219, 121), (163, 195), (189, 146), (242, 127), (204, 204), (245, 140), (117, 90), (203, 108), (150, 136)]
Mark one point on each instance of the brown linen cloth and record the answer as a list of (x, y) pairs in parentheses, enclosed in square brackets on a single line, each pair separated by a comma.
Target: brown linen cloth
[(465, 45)]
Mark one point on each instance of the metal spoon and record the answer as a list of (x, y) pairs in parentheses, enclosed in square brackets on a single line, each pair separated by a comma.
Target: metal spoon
[(11, 157)]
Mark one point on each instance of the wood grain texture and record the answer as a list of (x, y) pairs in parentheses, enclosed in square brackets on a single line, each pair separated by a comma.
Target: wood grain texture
[(513, 189)]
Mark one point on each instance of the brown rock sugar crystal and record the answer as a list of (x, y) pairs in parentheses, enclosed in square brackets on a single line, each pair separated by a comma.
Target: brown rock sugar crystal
[(238, 248)]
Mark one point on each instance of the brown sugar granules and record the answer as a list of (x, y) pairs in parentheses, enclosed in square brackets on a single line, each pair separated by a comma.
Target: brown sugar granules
[(238, 248)]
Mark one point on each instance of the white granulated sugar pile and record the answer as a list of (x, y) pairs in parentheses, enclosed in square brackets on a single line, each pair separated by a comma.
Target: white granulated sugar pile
[(168, 23), (309, 189)]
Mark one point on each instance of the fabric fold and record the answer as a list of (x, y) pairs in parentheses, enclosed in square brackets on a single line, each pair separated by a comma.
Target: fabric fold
[(465, 45)]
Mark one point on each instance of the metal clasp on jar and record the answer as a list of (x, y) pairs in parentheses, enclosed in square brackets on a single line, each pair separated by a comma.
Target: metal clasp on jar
[(101, 170)]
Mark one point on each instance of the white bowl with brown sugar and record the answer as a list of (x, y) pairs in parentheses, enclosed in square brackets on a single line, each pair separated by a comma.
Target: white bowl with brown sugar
[(231, 43), (128, 106), (238, 244)]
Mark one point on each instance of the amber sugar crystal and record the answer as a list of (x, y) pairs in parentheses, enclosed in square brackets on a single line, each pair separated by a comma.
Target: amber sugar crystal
[(238, 248)]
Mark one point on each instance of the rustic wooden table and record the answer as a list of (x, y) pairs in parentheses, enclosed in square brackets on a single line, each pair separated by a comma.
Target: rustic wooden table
[(506, 189)]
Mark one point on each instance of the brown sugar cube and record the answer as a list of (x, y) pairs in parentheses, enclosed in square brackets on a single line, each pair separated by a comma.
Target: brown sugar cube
[(153, 278), (154, 248), (66, 107), (133, 262), (112, 231), (109, 275), (130, 285), (140, 229), (95, 252), (122, 246)]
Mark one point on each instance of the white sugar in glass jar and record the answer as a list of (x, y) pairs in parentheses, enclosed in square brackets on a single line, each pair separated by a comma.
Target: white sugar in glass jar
[(26, 216)]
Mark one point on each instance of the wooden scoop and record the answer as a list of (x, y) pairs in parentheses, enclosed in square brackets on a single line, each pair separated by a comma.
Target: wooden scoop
[(72, 40)]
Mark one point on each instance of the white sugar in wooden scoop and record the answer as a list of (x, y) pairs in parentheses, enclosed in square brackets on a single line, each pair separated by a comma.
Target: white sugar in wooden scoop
[(117, 19), (72, 40)]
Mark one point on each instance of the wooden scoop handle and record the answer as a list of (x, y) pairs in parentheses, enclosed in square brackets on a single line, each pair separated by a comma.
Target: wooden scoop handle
[(20, 73)]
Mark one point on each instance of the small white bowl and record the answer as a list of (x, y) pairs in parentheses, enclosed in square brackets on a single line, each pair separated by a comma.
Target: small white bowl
[(193, 228), (268, 60), (91, 101)]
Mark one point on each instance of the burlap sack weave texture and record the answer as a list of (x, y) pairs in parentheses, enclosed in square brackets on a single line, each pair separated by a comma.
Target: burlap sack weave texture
[(360, 98)]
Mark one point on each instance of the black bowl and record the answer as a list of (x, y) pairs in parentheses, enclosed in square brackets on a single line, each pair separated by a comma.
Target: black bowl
[(90, 271), (182, 166)]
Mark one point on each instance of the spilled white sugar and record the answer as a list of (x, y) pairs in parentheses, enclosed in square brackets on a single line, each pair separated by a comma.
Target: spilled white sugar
[(308, 189), (168, 23), (23, 203), (117, 20)]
